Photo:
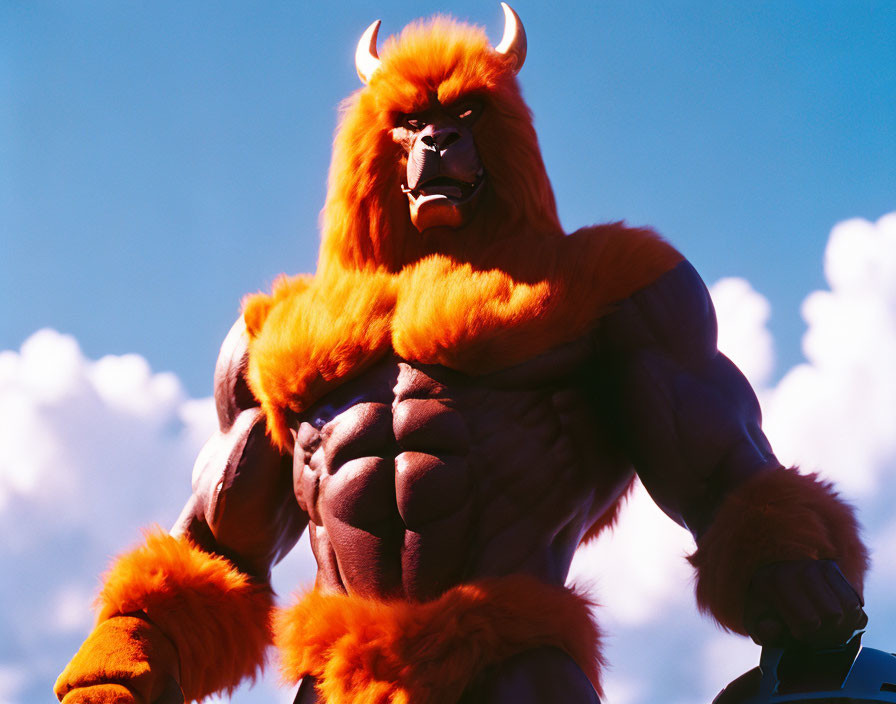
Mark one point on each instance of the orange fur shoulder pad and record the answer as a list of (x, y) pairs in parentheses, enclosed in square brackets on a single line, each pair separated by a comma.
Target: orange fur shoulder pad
[(776, 515), (217, 618), (400, 652), (518, 299)]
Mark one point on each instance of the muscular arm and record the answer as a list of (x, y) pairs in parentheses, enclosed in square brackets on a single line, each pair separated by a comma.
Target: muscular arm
[(195, 605), (691, 424), (243, 506)]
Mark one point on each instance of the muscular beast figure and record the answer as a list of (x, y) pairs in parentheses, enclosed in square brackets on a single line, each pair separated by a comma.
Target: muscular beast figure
[(456, 399)]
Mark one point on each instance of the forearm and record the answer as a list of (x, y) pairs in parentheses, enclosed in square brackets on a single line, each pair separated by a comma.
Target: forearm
[(776, 516), (216, 617), (206, 584), (199, 598), (692, 426)]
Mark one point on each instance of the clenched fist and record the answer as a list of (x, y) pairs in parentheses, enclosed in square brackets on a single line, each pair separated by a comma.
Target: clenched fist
[(125, 660), (802, 601)]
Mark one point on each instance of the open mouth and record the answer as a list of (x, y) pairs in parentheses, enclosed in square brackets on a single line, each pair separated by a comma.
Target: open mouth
[(443, 187)]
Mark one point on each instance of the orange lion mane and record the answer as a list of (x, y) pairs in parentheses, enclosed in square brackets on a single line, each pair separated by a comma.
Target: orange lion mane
[(501, 289), (365, 222)]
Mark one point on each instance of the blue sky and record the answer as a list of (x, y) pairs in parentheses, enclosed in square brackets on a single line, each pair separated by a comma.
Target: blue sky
[(158, 160)]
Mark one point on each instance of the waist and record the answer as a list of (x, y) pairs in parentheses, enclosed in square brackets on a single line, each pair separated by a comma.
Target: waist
[(359, 648)]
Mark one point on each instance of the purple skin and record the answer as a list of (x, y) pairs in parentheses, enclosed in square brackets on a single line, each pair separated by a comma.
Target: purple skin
[(412, 479), (444, 175), (802, 601)]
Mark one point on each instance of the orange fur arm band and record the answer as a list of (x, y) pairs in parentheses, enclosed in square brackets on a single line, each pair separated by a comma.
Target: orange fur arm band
[(774, 516), (216, 616), (400, 652)]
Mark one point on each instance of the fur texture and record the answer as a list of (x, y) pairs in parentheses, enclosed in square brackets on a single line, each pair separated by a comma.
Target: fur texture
[(308, 336), (218, 620), (366, 223), (499, 290), (364, 651), (124, 658), (776, 515), (607, 520), (312, 334)]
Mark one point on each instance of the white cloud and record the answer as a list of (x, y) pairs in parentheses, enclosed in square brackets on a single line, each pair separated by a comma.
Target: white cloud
[(724, 658), (622, 691), (71, 430), (639, 570), (835, 414), (89, 453), (69, 608), (11, 681), (92, 450), (743, 336)]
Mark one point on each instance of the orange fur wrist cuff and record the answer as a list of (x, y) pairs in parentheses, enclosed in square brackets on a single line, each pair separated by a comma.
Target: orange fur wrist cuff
[(217, 618), (774, 516), (395, 652)]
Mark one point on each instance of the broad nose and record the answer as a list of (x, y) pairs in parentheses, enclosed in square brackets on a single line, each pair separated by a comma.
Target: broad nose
[(439, 138)]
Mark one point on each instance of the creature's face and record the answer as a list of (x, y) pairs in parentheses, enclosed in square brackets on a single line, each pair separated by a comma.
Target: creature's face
[(444, 174), (437, 153)]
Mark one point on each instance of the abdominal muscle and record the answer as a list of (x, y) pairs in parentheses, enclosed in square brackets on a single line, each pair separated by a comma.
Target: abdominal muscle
[(418, 479)]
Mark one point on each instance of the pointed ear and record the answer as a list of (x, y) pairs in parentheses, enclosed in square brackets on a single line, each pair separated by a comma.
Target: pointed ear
[(256, 307)]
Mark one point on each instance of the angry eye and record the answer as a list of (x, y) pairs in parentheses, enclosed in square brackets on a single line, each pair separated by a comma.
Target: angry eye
[(466, 111), (413, 122)]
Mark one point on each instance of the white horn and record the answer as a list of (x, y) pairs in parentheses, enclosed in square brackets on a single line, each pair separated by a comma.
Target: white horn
[(513, 43), (367, 61)]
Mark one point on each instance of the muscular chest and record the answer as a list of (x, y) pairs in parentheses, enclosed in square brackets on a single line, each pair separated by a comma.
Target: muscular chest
[(419, 477), (368, 449), (314, 333), (413, 444)]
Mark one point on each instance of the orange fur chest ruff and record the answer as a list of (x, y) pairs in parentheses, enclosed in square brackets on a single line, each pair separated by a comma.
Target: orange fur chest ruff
[(313, 333)]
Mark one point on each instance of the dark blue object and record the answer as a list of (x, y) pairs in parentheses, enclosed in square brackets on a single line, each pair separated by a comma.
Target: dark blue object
[(849, 674)]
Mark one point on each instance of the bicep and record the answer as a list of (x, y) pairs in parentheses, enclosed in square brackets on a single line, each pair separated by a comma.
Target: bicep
[(242, 505), (689, 419)]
